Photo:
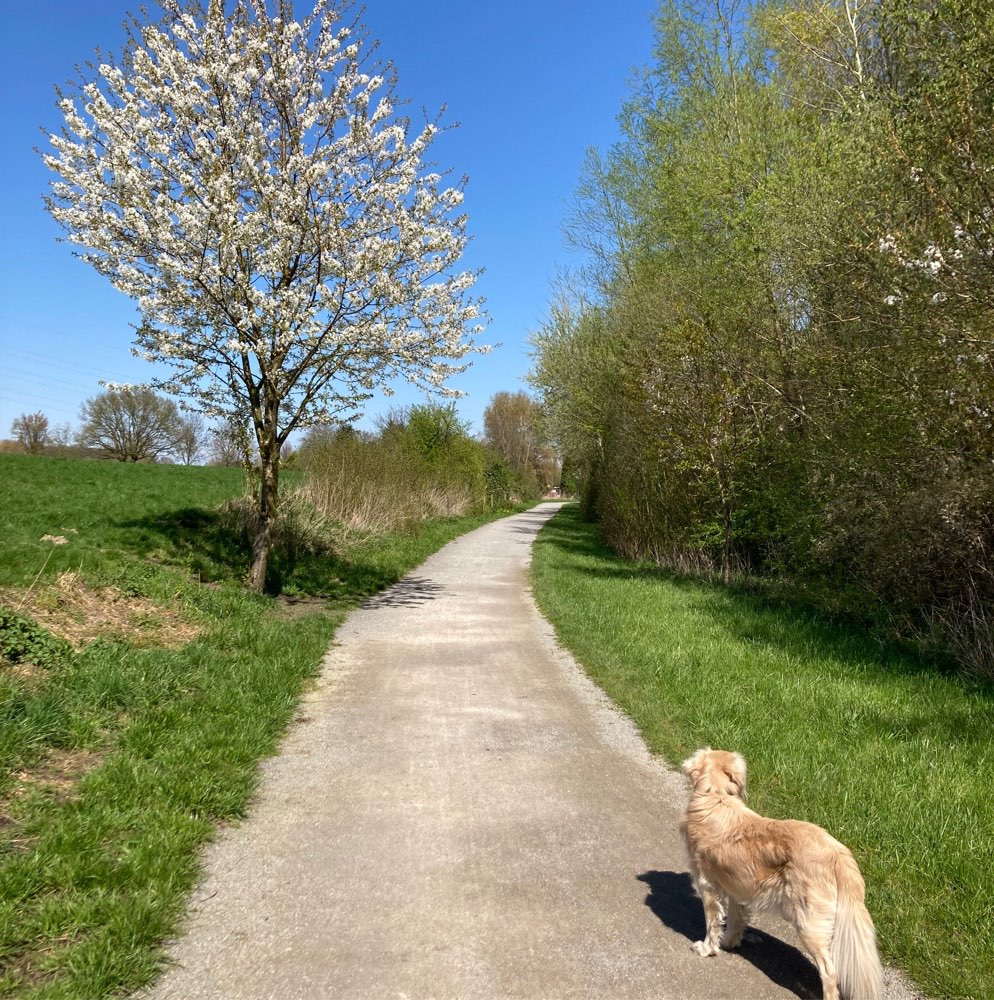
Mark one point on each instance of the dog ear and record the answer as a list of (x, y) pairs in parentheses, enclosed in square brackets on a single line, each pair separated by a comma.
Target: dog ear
[(692, 764), (735, 772)]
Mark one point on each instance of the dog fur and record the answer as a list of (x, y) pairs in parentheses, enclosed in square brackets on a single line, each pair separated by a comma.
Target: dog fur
[(741, 860)]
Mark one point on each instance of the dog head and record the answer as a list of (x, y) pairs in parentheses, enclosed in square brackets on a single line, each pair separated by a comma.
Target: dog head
[(716, 772)]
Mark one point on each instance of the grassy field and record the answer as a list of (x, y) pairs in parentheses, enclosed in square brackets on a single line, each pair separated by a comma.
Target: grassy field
[(121, 753), (887, 751)]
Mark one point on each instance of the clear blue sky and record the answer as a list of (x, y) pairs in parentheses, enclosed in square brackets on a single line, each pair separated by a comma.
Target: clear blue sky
[(533, 84)]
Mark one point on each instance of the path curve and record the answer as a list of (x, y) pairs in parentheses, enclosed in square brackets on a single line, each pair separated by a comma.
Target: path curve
[(459, 813)]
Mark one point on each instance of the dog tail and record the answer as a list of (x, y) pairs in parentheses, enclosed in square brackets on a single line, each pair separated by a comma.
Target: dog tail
[(854, 943)]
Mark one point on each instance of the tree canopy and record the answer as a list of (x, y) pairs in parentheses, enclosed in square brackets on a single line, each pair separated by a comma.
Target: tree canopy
[(782, 355), (131, 425), (30, 430)]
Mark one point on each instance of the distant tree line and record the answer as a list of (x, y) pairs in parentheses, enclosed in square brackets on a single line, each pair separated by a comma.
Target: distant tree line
[(134, 424), (126, 424), (781, 357), (514, 427)]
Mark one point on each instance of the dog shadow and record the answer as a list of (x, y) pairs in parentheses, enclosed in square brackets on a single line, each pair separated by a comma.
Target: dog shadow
[(672, 899)]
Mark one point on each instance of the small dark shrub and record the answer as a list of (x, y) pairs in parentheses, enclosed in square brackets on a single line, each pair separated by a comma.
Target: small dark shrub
[(22, 641)]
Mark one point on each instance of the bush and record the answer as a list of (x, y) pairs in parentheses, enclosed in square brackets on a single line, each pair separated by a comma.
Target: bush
[(423, 465), (299, 529), (22, 641), (506, 486), (375, 486)]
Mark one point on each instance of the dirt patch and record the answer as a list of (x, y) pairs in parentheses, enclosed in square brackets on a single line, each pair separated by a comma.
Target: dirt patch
[(59, 773), (29, 674), (57, 776), (27, 968), (78, 613), (299, 607)]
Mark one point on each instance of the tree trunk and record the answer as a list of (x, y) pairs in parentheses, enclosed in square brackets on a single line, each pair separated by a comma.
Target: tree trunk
[(261, 544), (726, 550)]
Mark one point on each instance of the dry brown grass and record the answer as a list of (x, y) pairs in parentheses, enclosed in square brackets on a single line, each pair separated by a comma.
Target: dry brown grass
[(26, 673), (78, 613), (58, 774), (367, 499)]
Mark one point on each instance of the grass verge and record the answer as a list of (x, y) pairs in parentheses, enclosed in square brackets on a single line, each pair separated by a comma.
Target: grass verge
[(884, 749), (121, 756)]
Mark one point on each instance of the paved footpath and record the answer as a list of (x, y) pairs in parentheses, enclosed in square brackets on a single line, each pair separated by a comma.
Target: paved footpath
[(459, 813)]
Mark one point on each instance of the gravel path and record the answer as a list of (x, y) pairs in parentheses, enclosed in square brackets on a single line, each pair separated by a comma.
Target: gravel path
[(460, 813)]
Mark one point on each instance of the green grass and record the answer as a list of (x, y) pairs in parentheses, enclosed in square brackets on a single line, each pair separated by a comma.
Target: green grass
[(134, 755), (104, 503), (889, 752)]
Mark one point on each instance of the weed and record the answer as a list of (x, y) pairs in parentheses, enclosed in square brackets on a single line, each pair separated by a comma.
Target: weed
[(22, 640)]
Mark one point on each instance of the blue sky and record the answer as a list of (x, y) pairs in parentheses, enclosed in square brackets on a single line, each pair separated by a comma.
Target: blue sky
[(533, 84)]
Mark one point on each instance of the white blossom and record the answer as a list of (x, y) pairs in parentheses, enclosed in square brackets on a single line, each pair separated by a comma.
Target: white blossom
[(272, 218)]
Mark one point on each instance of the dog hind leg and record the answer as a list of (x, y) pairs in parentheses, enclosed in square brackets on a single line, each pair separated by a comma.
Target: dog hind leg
[(815, 933)]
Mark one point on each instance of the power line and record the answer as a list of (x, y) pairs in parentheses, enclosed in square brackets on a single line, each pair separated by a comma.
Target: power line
[(30, 358), (39, 378), (12, 395), (56, 334), (57, 392)]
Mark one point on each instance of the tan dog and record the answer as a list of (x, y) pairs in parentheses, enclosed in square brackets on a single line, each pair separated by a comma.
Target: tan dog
[(740, 860)]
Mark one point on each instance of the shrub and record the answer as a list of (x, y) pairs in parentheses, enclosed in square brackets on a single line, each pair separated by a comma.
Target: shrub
[(299, 528), (423, 465), (22, 641)]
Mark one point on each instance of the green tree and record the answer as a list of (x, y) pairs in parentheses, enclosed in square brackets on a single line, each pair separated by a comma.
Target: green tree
[(130, 424), (514, 427), (782, 355), (30, 430)]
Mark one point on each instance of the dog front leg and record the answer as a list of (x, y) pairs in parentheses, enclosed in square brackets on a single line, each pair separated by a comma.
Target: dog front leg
[(735, 924), (714, 917)]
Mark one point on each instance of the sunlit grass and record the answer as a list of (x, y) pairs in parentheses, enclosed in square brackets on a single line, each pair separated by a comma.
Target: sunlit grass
[(887, 751), (119, 760)]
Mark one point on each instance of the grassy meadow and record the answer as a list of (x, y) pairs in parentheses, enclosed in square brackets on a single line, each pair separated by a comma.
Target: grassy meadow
[(888, 751), (140, 684)]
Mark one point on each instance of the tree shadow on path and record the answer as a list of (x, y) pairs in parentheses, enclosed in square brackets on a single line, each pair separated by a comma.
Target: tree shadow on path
[(671, 898), (410, 591), (530, 522)]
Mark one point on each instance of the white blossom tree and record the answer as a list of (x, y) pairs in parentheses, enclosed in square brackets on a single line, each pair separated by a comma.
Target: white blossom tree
[(246, 178)]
